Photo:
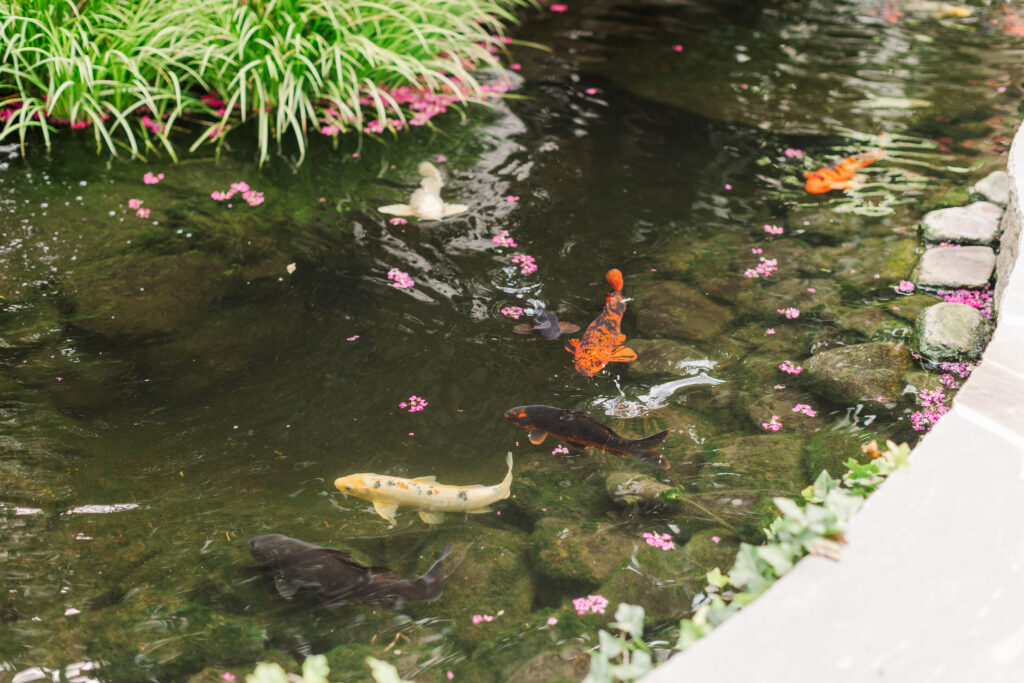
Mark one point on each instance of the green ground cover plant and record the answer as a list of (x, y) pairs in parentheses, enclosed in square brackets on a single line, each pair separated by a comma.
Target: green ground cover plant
[(149, 74)]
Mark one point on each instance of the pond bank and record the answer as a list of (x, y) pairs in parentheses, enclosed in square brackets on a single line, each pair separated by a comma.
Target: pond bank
[(904, 602)]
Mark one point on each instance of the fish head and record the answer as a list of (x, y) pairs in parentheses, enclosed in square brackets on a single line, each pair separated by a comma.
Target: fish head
[(614, 278), (357, 485), (271, 548), (545, 325), (520, 416)]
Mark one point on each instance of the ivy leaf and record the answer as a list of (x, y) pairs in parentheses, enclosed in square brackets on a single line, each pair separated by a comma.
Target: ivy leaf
[(629, 618), (843, 503), (900, 455), (779, 555), (747, 572), (690, 633), (315, 669), (788, 508), (639, 665), (383, 672), (265, 672), (717, 579), (600, 669), (611, 646)]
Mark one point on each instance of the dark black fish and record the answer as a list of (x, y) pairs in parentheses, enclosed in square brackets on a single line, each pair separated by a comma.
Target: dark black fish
[(582, 431), (337, 579), (546, 325)]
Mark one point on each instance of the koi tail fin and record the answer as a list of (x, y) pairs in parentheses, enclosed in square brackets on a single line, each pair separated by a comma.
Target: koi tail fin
[(644, 449), (614, 278), (506, 483), (428, 170)]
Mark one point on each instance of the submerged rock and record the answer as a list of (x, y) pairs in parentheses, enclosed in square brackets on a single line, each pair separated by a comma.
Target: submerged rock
[(629, 488), (977, 223), (579, 555), (995, 188), (830, 449), (862, 372), (956, 267), (664, 582), (671, 309), (909, 307), (664, 356), (952, 332), (870, 322), (864, 264)]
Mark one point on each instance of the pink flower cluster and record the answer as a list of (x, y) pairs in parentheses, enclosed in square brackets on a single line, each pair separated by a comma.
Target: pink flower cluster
[(480, 618), (772, 425), (504, 239), (980, 299), (788, 367), (415, 404), (933, 406), (136, 204), (591, 603), (251, 197), (794, 153), (512, 312), (790, 312), (214, 102), (805, 409), (152, 125), (526, 263), (559, 450), (763, 269), (397, 220), (400, 279), (947, 380), (559, 8), (152, 179), (662, 541), (774, 229), (962, 370), (512, 198), (905, 286)]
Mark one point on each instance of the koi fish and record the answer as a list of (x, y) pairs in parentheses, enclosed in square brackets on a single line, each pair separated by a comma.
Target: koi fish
[(426, 202), (581, 431), (337, 578), (840, 175), (546, 325), (601, 341), (423, 494)]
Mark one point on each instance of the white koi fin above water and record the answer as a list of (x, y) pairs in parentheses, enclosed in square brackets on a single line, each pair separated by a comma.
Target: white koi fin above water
[(426, 202)]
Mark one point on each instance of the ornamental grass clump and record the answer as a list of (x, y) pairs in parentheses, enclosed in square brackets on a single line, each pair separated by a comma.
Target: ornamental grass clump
[(140, 72)]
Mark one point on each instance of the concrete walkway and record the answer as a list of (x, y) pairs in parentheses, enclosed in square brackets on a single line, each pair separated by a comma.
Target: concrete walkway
[(931, 584)]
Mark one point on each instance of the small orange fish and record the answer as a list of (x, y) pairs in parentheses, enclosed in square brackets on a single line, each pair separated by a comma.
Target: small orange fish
[(840, 175), (601, 341)]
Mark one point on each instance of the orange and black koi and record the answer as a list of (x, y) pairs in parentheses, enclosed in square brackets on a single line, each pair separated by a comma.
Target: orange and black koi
[(601, 341), (840, 175), (582, 431)]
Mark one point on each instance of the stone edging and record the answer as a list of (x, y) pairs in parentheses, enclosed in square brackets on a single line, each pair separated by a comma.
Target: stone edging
[(931, 583)]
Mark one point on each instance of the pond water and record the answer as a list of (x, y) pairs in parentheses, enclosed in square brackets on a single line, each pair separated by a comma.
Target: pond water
[(170, 389)]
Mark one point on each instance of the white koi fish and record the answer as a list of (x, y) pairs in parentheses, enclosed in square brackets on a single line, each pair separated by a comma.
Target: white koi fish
[(426, 202), (423, 494)]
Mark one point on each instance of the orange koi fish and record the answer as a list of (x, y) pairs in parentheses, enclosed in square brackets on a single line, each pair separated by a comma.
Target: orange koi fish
[(601, 341), (840, 175)]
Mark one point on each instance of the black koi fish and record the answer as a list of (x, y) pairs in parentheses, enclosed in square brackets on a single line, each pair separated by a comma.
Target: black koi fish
[(337, 578), (582, 431), (546, 325)]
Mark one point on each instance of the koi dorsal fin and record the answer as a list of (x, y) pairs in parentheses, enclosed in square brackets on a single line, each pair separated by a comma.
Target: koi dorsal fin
[(431, 479)]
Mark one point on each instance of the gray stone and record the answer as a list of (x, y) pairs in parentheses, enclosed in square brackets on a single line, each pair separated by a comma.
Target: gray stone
[(663, 356), (956, 267), (995, 188), (948, 331), (977, 223), (671, 309), (861, 372)]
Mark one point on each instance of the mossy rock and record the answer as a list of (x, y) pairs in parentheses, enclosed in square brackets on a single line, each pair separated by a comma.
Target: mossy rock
[(872, 322), (712, 255), (155, 632), (215, 674), (909, 307), (823, 223), (787, 341), (762, 405), (857, 373), (766, 300), (943, 196), (533, 650), (891, 258), (663, 356), (768, 462), (664, 582), (672, 309), (578, 555), (567, 487), (830, 449), (76, 382)]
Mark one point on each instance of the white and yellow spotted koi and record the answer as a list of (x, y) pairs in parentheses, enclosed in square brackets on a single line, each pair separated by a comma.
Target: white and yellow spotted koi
[(423, 494)]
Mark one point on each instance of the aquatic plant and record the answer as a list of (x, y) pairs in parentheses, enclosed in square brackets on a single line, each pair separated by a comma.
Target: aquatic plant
[(624, 656), (315, 670), (813, 527), (137, 71)]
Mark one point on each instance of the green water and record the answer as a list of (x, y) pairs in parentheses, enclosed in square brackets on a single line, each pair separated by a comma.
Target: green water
[(174, 371)]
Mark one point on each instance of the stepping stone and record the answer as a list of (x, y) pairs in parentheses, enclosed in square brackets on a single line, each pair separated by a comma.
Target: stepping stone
[(956, 267), (951, 332), (977, 223), (995, 188)]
